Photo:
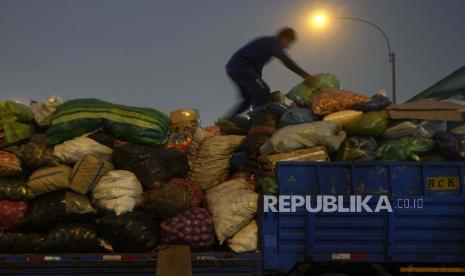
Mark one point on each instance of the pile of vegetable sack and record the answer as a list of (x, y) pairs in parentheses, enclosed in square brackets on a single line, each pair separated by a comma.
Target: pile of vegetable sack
[(87, 175)]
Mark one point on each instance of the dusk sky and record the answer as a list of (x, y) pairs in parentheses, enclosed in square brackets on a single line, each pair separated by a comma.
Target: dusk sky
[(171, 54)]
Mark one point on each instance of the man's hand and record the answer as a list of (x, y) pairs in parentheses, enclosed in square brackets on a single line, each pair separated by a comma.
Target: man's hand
[(311, 80)]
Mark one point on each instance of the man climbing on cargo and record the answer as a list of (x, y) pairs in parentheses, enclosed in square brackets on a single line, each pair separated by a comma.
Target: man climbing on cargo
[(246, 65)]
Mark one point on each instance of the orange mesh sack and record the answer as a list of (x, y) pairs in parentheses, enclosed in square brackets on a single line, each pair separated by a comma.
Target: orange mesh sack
[(331, 100)]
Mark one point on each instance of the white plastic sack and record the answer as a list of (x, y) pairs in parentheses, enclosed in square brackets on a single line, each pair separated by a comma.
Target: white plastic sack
[(458, 130), (232, 205), (289, 138), (118, 191), (209, 157), (423, 129), (43, 111), (246, 240), (74, 150)]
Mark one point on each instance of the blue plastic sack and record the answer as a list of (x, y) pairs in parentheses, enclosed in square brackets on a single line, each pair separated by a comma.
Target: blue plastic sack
[(277, 108), (238, 160), (295, 116), (377, 102)]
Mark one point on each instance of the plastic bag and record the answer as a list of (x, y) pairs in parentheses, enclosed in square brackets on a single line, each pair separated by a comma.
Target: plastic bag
[(173, 197), (193, 227), (19, 242), (131, 232), (246, 240), (358, 148), (87, 173), (233, 205), (51, 179), (150, 165), (377, 102), (331, 100), (209, 158), (10, 165), (51, 208), (43, 111), (180, 141), (450, 145), (11, 213), (267, 185), (320, 133), (15, 188), (406, 148), (295, 116), (425, 129), (118, 191), (72, 151), (372, 123), (74, 238), (344, 117), (303, 93)]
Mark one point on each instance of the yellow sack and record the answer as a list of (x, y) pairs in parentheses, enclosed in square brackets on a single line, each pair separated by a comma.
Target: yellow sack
[(49, 179), (344, 117)]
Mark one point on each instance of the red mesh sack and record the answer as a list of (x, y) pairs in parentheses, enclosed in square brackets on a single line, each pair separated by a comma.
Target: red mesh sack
[(11, 213), (193, 227), (9, 164)]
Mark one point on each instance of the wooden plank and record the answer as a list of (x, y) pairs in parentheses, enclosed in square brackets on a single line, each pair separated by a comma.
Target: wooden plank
[(268, 163), (174, 260)]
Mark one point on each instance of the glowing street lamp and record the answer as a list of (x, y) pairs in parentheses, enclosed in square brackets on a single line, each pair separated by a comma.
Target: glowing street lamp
[(320, 19)]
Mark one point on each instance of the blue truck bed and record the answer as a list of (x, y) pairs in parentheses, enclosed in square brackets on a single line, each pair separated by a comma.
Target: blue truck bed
[(434, 233)]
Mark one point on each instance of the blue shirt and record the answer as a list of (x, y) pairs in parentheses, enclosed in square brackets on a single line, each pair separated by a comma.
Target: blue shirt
[(258, 52)]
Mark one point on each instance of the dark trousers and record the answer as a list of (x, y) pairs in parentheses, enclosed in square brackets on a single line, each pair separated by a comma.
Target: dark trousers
[(253, 90)]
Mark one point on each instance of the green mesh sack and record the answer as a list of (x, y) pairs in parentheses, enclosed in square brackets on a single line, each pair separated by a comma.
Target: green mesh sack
[(406, 148), (372, 123), (358, 148), (22, 112), (15, 118), (266, 185), (303, 93)]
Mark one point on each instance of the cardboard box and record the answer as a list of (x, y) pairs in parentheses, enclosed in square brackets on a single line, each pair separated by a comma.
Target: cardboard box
[(431, 110)]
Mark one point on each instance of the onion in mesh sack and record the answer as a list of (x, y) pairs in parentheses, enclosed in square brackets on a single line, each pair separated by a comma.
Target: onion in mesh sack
[(193, 227)]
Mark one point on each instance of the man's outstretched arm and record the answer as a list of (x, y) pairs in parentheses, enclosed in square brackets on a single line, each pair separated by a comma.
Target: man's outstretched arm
[(291, 65)]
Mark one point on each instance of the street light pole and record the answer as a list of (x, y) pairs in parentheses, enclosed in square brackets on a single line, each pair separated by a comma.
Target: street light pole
[(392, 56)]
